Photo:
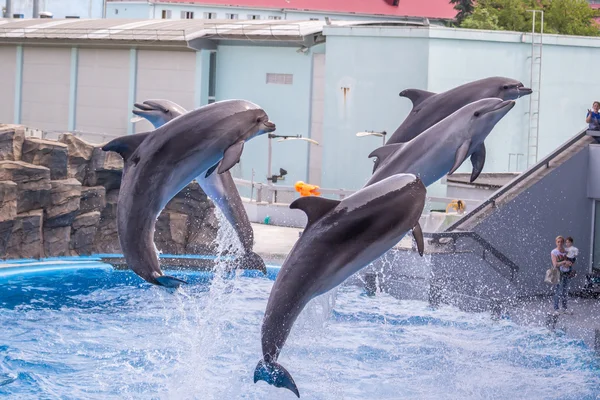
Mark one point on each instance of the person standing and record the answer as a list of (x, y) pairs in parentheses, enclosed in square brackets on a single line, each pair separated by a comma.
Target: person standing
[(559, 260), (593, 117)]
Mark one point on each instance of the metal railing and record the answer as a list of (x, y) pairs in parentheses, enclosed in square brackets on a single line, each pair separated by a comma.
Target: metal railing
[(268, 193), (545, 162), (487, 246)]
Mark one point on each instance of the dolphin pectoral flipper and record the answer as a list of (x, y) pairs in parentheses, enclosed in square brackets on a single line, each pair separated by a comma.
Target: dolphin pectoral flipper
[(314, 207), (417, 96), (274, 374), (231, 157), (125, 145), (460, 156), (477, 160), (169, 281), (418, 235), (212, 169)]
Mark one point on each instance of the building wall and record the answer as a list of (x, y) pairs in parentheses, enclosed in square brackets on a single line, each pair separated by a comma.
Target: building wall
[(103, 91), (241, 74), (317, 113), (165, 75), (46, 82), (61, 8), (132, 10), (8, 66), (376, 63), (525, 229), (373, 71)]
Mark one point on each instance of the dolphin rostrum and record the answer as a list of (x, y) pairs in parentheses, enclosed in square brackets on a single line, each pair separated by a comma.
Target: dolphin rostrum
[(158, 164), (220, 188), (430, 108), (441, 149), (340, 238)]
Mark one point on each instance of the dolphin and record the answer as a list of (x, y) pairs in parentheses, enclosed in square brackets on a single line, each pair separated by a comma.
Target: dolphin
[(442, 148), (340, 238), (158, 164), (430, 108), (220, 188), (158, 112)]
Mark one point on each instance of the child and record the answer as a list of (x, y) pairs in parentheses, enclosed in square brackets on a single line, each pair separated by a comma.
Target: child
[(572, 251)]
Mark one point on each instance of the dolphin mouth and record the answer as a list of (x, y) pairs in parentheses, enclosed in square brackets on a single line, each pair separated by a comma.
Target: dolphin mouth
[(149, 106), (524, 91), (269, 126), (500, 106)]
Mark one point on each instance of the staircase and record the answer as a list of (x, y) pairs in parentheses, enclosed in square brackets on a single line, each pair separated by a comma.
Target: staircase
[(535, 84)]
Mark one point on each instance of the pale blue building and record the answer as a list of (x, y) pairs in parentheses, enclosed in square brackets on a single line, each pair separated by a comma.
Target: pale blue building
[(327, 82)]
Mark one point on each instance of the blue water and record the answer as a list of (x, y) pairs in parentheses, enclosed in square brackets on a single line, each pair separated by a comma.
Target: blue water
[(91, 332)]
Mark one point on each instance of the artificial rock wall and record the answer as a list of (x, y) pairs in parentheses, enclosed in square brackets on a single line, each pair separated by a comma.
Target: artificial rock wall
[(59, 198)]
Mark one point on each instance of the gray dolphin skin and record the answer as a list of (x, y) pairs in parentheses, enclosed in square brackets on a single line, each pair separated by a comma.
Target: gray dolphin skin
[(442, 149), (220, 188), (340, 238), (430, 108), (160, 163), (158, 111)]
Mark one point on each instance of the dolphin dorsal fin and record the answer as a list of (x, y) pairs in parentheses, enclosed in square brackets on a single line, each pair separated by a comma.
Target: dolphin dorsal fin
[(126, 145), (314, 207), (417, 96), (385, 151)]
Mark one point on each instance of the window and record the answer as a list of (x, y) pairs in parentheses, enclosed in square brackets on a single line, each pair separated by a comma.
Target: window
[(274, 17), (166, 14), (116, 10), (187, 15), (314, 19), (210, 15), (280, 79), (231, 16), (212, 77), (253, 16)]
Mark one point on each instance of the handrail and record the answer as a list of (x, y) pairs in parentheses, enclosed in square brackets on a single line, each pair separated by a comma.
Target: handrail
[(340, 193), (514, 268), (518, 179)]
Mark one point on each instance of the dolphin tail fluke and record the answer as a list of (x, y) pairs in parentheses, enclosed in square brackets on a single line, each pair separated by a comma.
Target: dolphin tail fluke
[(169, 281), (274, 374), (251, 260)]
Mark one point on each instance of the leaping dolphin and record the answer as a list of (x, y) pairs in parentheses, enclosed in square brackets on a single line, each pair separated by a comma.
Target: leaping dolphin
[(441, 149), (340, 238), (220, 188), (430, 108), (158, 164)]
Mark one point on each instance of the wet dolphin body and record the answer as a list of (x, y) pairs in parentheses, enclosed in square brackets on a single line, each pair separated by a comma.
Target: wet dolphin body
[(340, 238), (158, 164), (430, 108), (220, 188), (441, 149)]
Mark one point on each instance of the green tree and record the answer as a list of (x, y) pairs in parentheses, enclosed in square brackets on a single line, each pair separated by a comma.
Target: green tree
[(464, 8), (482, 18), (568, 17)]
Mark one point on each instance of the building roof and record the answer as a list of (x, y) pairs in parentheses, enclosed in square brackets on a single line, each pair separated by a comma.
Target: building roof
[(434, 9), (170, 32)]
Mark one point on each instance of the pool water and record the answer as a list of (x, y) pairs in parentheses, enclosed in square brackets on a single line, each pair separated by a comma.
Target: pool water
[(91, 332)]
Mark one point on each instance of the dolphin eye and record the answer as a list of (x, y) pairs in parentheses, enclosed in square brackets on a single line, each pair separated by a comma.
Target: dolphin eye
[(476, 113), (505, 87)]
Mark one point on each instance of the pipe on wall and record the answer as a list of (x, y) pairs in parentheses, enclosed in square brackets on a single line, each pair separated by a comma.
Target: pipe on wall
[(8, 13), (36, 9)]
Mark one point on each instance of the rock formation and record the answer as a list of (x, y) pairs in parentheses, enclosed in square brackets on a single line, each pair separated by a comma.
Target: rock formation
[(59, 198)]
